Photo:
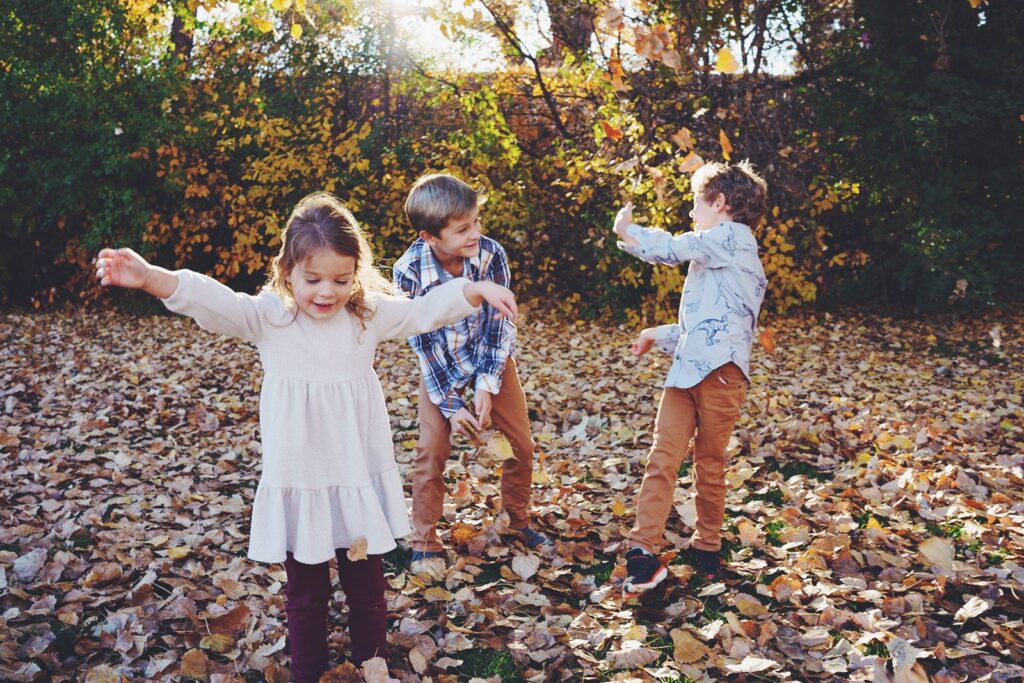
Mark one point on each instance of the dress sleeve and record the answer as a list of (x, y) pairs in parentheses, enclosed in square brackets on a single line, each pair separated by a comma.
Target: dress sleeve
[(443, 305), (216, 307)]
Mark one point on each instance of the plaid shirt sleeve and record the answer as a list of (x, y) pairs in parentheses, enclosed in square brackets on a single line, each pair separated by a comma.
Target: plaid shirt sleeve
[(432, 368), (499, 333)]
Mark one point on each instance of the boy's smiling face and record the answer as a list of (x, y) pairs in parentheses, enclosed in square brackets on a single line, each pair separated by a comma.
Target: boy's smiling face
[(458, 240)]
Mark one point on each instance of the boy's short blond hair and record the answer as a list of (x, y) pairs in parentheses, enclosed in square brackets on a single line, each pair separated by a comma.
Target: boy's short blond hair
[(745, 191), (436, 199)]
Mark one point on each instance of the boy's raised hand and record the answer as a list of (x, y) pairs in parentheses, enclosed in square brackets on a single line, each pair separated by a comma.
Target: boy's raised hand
[(644, 342), (623, 219)]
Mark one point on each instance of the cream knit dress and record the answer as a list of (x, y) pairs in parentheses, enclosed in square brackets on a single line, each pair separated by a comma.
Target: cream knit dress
[(329, 472)]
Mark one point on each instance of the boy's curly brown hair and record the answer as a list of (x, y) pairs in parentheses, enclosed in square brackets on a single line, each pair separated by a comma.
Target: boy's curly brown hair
[(745, 191)]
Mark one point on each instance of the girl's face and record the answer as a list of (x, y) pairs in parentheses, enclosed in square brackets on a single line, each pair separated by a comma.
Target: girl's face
[(322, 283)]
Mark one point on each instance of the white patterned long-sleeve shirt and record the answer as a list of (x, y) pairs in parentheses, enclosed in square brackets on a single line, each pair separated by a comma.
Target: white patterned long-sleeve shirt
[(721, 300)]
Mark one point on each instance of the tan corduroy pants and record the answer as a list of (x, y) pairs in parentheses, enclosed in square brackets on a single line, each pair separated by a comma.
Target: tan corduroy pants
[(710, 409), (434, 447)]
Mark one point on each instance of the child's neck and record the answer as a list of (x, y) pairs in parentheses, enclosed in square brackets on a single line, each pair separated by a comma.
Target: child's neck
[(452, 264)]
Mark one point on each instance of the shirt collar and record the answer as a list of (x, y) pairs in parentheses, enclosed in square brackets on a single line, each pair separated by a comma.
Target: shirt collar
[(431, 271)]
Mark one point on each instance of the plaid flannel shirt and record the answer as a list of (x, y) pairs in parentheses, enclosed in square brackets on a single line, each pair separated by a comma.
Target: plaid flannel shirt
[(471, 351)]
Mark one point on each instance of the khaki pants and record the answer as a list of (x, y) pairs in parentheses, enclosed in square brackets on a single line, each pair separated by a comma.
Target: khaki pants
[(434, 447), (711, 409)]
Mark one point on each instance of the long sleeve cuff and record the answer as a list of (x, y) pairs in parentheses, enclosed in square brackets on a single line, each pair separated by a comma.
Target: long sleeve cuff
[(489, 383), (450, 405), (666, 337), (649, 242)]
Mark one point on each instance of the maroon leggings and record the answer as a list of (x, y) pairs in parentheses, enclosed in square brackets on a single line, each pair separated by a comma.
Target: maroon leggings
[(308, 592)]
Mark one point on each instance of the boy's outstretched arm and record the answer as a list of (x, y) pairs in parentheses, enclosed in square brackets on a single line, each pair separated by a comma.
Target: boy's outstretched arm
[(660, 246), (125, 268)]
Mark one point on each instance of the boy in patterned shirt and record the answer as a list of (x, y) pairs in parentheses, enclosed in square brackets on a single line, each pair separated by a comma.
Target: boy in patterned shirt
[(711, 345), (476, 353)]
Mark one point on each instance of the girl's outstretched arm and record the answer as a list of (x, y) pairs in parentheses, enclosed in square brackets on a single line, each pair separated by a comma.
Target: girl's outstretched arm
[(125, 268)]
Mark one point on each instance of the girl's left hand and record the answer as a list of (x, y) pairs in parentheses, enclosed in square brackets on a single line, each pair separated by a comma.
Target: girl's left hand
[(500, 298), (121, 268)]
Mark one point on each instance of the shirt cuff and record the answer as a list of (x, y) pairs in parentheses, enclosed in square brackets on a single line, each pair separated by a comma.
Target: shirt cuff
[(450, 405), (666, 337), (489, 383), (636, 232)]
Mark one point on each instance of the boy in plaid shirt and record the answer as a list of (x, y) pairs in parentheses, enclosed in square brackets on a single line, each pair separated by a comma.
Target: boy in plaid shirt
[(476, 353)]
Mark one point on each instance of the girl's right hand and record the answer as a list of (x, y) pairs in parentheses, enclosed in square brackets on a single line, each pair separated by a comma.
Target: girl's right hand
[(500, 298), (122, 268), (644, 342)]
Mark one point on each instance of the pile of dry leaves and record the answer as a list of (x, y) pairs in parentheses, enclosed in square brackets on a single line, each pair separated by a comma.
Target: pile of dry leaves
[(875, 522)]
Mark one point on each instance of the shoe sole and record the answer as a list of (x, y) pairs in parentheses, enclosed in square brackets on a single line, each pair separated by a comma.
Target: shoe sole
[(631, 590)]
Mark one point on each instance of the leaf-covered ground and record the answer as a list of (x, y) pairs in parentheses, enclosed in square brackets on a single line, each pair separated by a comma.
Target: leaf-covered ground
[(875, 523)]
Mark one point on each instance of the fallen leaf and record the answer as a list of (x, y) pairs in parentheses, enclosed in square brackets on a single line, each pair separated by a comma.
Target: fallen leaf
[(357, 551), (937, 552), (686, 648)]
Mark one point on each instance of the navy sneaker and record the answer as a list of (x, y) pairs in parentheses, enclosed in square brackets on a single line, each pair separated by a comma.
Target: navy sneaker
[(644, 571), (708, 563), (534, 539), (418, 555)]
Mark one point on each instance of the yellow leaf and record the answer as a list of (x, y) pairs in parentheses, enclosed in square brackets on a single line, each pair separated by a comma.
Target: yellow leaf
[(281, 5), (178, 552), (217, 642), (726, 63), (723, 140), (300, 5), (437, 594), (976, 3), (263, 25), (618, 507), (873, 524), (358, 550), (296, 31), (499, 446)]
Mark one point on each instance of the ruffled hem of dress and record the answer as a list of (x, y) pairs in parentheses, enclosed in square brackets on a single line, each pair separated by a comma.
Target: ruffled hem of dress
[(312, 523)]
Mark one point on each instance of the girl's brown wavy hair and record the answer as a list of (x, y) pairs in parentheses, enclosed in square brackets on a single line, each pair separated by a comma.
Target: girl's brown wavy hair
[(321, 221)]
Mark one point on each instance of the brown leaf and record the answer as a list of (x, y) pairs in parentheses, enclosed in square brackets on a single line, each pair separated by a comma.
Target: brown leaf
[(686, 648), (195, 664), (231, 623)]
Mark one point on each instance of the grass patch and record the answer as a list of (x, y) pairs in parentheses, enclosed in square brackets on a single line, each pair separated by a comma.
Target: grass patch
[(772, 530), (951, 530), (684, 469), (876, 649), (711, 610), (601, 572), (798, 467), (773, 496), (490, 574), (396, 561), (480, 662)]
